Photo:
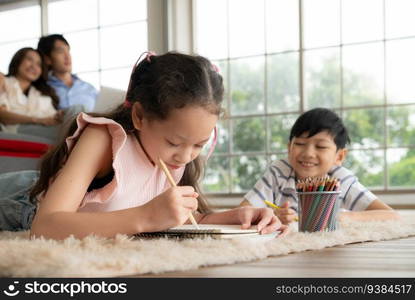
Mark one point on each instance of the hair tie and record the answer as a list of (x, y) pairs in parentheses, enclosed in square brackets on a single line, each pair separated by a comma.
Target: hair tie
[(214, 142), (149, 55), (127, 104), (215, 68)]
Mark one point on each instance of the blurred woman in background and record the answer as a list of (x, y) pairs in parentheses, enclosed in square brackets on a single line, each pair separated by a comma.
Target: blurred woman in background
[(28, 105)]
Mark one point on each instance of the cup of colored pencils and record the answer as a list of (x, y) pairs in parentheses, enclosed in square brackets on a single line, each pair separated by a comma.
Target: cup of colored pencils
[(318, 204)]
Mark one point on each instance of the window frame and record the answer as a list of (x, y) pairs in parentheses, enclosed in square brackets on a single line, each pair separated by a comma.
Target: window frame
[(342, 109), (155, 22)]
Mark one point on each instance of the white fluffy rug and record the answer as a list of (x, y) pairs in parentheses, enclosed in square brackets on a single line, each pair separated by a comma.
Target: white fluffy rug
[(99, 257)]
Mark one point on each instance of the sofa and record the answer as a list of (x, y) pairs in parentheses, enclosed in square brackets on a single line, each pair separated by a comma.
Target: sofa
[(24, 152)]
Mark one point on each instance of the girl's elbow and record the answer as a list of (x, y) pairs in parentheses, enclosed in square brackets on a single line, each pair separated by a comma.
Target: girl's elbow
[(34, 234), (41, 227), (36, 231)]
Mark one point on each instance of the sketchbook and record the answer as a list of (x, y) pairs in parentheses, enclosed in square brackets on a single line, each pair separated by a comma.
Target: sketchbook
[(214, 231)]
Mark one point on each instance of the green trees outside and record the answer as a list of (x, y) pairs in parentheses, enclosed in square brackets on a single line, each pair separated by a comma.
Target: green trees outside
[(402, 172)]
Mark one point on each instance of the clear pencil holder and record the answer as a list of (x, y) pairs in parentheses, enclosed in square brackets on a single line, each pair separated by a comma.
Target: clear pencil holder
[(318, 211)]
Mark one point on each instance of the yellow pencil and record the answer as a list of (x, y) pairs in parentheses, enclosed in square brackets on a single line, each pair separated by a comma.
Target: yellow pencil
[(276, 207), (271, 204), (173, 183)]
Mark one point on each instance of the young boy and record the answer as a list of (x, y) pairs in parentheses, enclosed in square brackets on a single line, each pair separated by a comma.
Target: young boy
[(317, 146), (71, 90)]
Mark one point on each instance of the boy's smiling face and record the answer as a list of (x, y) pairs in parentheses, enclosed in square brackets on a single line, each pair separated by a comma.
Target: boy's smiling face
[(314, 156)]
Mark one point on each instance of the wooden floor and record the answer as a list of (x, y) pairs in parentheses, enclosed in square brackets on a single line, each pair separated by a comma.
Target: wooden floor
[(393, 258)]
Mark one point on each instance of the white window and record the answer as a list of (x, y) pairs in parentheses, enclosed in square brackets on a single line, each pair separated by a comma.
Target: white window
[(280, 58), (106, 36), (18, 34)]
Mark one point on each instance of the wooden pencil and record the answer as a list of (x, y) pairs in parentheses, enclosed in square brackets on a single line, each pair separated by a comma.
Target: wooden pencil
[(173, 183)]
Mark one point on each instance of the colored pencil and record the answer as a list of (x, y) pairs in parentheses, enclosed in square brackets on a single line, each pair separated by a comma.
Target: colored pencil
[(317, 202), (173, 183)]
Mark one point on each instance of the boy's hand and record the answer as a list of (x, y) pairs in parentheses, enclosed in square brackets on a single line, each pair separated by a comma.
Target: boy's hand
[(286, 214)]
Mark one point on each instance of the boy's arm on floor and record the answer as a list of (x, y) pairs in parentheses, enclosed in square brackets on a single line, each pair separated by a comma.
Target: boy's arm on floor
[(376, 211)]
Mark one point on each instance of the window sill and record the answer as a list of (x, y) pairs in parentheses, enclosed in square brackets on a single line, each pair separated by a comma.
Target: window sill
[(395, 200)]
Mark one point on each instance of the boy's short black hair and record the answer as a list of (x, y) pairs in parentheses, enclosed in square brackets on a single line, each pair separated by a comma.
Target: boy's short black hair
[(46, 43), (321, 119)]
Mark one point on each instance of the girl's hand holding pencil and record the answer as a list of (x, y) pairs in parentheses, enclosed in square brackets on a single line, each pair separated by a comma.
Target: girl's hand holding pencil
[(170, 209), (173, 183)]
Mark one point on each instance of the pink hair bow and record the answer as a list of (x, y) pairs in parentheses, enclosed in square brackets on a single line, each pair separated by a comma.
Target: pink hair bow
[(149, 55), (215, 140), (215, 68)]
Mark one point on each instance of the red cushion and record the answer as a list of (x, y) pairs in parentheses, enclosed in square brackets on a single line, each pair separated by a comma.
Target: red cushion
[(22, 148)]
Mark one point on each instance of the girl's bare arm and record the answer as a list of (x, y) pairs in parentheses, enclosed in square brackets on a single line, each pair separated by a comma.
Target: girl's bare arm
[(377, 210), (57, 216)]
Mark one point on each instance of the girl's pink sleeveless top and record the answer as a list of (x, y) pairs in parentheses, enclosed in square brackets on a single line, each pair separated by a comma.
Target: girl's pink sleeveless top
[(136, 180)]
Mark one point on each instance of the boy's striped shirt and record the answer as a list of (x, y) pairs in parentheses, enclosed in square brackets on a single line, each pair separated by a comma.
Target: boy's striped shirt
[(277, 185)]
